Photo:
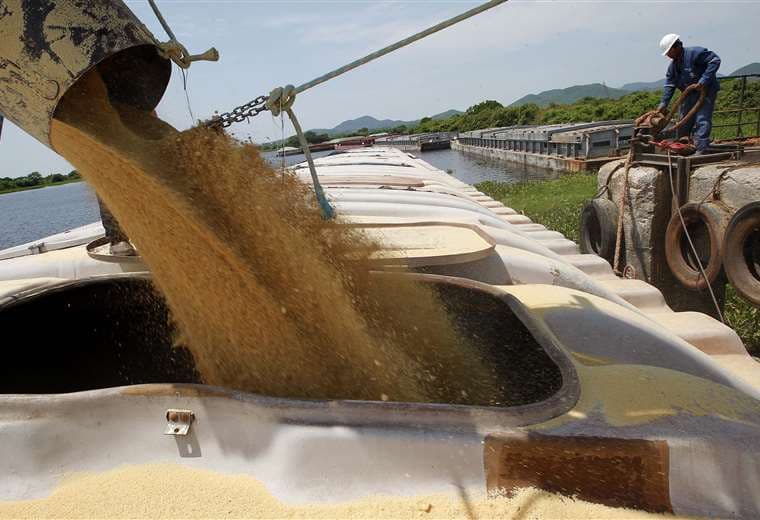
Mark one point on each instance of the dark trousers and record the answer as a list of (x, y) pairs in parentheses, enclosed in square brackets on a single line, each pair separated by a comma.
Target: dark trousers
[(701, 123), (111, 225)]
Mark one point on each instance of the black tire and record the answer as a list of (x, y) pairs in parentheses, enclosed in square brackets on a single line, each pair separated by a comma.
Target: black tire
[(598, 229), (707, 226), (741, 252)]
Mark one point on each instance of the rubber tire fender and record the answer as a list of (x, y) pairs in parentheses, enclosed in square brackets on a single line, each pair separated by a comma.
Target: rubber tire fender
[(715, 218), (602, 215), (745, 278)]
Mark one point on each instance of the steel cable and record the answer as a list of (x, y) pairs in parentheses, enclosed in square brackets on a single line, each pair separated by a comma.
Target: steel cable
[(399, 44), (688, 238)]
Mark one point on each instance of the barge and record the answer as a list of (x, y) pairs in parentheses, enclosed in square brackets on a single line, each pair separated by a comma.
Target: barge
[(625, 400), (560, 147)]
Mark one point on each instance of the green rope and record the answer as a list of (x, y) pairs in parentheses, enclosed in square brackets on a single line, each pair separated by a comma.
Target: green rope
[(282, 99), (328, 212)]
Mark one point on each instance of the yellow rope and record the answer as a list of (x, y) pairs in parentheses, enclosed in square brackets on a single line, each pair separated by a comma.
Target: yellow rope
[(621, 215)]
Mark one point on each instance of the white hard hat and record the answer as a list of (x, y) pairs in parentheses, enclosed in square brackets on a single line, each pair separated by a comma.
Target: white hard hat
[(667, 42)]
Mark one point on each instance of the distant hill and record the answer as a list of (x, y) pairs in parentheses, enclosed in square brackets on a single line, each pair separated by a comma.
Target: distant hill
[(352, 125), (371, 123), (447, 114), (570, 95), (560, 96), (644, 85), (752, 68)]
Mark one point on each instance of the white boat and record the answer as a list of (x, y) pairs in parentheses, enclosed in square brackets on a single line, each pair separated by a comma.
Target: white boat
[(627, 389)]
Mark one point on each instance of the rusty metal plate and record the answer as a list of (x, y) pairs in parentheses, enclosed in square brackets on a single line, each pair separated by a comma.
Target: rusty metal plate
[(615, 472)]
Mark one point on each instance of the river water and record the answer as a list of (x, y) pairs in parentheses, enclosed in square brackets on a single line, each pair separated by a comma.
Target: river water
[(469, 168), (33, 214), (29, 215)]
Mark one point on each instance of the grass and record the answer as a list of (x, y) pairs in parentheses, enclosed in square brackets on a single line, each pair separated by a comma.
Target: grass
[(38, 186), (744, 319), (557, 205)]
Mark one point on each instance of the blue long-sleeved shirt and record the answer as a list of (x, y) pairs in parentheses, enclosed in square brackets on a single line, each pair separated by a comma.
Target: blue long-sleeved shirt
[(696, 65)]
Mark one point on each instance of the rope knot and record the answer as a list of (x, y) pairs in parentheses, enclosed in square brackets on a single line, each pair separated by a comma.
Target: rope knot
[(175, 51), (281, 99)]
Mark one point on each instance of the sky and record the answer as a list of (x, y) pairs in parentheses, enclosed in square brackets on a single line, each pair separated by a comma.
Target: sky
[(518, 48)]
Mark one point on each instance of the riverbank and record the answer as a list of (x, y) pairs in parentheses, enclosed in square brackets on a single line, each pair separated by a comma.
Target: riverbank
[(38, 186), (557, 205), (554, 203)]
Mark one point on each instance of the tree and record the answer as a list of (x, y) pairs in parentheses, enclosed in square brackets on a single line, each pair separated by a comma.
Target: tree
[(363, 131), (73, 174), (527, 114), (33, 179), (57, 177), (315, 138), (425, 125), (293, 142), (484, 106), (507, 117)]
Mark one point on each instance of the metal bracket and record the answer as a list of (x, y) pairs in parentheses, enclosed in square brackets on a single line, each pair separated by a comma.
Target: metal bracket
[(174, 50), (38, 248), (178, 421)]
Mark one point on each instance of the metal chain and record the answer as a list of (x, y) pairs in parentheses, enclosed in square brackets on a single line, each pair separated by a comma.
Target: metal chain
[(239, 114)]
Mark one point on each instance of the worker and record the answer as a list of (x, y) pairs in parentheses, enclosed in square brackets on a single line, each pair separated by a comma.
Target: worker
[(690, 66), (119, 241), (119, 94)]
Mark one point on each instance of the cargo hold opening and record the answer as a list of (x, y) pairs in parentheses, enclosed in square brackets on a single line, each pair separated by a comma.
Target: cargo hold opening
[(117, 332)]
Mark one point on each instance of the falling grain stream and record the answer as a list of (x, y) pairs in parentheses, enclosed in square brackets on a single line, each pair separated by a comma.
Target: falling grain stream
[(268, 296)]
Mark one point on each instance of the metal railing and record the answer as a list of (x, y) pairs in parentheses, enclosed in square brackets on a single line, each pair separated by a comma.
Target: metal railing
[(741, 110)]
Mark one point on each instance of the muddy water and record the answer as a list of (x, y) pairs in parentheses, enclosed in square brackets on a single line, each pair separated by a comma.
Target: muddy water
[(267, 295)]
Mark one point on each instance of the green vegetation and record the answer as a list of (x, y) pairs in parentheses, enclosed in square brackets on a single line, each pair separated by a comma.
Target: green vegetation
[(35, 180), (744, 319), (729, 97), (557, 205), (293, 142), (490, 114)]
